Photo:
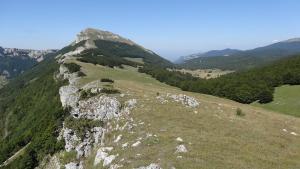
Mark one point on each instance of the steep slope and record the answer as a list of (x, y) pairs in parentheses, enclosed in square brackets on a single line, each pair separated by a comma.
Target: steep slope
[(14, 61), (249, 58), (30, 113)]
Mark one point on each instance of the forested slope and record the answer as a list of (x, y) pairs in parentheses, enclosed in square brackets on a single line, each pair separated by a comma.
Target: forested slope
[(245, 87)]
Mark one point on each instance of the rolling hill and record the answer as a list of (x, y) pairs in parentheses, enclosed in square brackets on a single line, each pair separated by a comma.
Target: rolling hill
[(247, 59)]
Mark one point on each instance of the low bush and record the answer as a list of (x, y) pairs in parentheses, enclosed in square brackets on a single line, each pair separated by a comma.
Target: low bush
[(109, 91), (107, 80), (72, 67), (81, 125), (239, 112)]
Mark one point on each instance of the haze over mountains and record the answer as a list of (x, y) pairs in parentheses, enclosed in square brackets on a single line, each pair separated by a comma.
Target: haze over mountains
[(232, 59)]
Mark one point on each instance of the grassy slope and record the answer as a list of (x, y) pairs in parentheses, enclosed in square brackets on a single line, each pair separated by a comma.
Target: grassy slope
[(215, 136), (286, 100)]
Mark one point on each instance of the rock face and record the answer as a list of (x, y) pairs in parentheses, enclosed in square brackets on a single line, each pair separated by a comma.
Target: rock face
[(38, 55), (94, 34), (69, 95), (100, 108), (73, 165), (102, 155)]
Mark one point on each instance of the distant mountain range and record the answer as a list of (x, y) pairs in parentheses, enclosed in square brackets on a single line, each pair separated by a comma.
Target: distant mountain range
[(14, 61), (224, 52), (232, 59)]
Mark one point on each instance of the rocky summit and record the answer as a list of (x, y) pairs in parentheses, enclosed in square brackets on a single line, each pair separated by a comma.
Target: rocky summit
[(96, 34)]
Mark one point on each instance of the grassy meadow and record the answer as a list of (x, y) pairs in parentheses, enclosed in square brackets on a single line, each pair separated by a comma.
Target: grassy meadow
[(286, 100)]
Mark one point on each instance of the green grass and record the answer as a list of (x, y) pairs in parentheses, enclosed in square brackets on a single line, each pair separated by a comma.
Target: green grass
[(286, 100)]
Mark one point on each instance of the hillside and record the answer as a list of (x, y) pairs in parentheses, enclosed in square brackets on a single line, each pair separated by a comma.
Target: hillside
[(247, 59), (90, 107)]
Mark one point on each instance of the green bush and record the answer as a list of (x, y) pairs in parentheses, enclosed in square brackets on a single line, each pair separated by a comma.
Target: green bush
[(72, 67), (109, 91), (239, 112), (107, 80), (81, 125)]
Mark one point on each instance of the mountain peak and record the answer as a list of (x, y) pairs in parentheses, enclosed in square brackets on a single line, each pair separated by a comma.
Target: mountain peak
[(96, 34)]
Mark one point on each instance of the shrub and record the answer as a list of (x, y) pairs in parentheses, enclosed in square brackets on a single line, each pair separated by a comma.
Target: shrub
[(80, 125), (72, 67), (109, 91), (239, 112), (81, 74), (87, 94), (107, 80)]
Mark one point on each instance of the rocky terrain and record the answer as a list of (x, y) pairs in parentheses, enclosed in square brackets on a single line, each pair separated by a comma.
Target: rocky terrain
[(37, 55), (14, 61)]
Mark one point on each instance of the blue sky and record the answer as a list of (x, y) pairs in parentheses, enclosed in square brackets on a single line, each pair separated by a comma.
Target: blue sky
[(169, 27)]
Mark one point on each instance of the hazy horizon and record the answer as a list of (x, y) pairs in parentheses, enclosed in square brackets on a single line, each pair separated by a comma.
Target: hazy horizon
[(169, 28)]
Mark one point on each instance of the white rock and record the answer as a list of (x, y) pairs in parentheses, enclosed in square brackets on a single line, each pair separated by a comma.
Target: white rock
[(181, 149), (136, 144), (97, 132), (115, 166), (124, 145), (151, 166), (284, 130), (69, 96), (118, 138), (100, 108), (185, 100), (179, 139), (71, 140), (102, 155), (293, 133), (108, 160), (73, 165)]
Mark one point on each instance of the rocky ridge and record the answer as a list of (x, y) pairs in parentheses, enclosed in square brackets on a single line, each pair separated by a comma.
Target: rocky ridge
[(38, 55)]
